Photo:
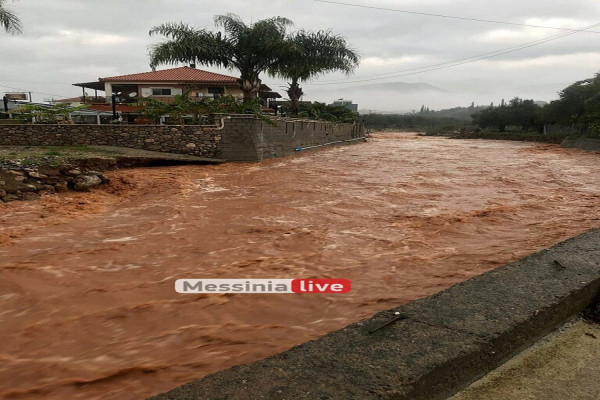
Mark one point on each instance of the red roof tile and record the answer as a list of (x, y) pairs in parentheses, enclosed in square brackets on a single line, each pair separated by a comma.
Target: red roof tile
[(181, 74)]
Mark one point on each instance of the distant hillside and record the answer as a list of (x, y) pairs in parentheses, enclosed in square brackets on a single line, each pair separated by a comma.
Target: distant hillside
[(459, 113), (450, 118)]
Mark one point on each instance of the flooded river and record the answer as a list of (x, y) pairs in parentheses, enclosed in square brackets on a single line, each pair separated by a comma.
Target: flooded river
[(87, 304)]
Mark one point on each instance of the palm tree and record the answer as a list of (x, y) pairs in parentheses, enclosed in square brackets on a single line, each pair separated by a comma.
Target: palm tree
[(9, 20), (310, 54), (251, 49)]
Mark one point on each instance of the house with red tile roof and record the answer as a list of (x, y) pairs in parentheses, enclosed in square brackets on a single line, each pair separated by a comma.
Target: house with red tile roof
[(164, 85)]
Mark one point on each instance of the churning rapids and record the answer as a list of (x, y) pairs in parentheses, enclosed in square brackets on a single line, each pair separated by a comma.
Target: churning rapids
[(87, 302)]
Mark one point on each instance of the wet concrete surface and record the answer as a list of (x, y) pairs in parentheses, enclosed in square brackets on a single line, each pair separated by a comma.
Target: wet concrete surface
[(564, 365), (86, 280)]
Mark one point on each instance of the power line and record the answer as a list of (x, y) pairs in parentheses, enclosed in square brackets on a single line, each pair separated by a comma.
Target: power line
[(453, 63), (449, 16), (33, 91), (44, 82)]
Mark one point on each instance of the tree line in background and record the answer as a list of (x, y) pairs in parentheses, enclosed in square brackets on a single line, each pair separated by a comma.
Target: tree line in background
[(578, 106), (451, 118), (413, 121), (518, 112)]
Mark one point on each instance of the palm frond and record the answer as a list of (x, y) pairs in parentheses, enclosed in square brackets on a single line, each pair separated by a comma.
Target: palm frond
[(231, 24), (321, 52), (9, 20), (174, 30), (189, 46)]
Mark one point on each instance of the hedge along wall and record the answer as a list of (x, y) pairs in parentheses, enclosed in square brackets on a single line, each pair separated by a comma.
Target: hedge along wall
[(238, 138)]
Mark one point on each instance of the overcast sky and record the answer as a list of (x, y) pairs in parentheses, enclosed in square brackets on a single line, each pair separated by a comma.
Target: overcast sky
[(68, 41)]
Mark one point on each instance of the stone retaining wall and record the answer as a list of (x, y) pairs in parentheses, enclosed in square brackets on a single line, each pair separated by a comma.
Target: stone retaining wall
[(237, 138), (195, 140)]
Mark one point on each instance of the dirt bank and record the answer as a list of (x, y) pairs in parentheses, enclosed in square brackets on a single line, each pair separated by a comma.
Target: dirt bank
[(26, 172), (86, 280)]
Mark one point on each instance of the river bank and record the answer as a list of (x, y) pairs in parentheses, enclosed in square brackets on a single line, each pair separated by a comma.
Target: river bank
[(27, 172)]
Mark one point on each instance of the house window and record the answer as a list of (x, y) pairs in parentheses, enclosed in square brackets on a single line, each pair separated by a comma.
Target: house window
[(216, 90), (161, 92)]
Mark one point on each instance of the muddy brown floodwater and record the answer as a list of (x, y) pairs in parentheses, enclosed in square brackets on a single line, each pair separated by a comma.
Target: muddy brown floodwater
[(87, 304)]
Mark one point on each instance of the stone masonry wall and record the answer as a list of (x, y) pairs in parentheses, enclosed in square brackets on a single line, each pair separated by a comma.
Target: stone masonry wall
[(194, 140), (240, 138)]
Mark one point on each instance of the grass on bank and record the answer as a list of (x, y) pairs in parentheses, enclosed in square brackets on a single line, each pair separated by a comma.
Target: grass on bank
[(62, 155), (51, 155)]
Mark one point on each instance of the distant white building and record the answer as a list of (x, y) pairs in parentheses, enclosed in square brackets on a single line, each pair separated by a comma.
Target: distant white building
[(345, 103)]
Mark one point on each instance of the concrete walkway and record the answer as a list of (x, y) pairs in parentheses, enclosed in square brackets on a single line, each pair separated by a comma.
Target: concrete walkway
[(565, 365)]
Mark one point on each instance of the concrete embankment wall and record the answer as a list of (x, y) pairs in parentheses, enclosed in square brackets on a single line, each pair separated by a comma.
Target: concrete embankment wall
[(237, 138), (582, 143), (442, 344), (246, 139)]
